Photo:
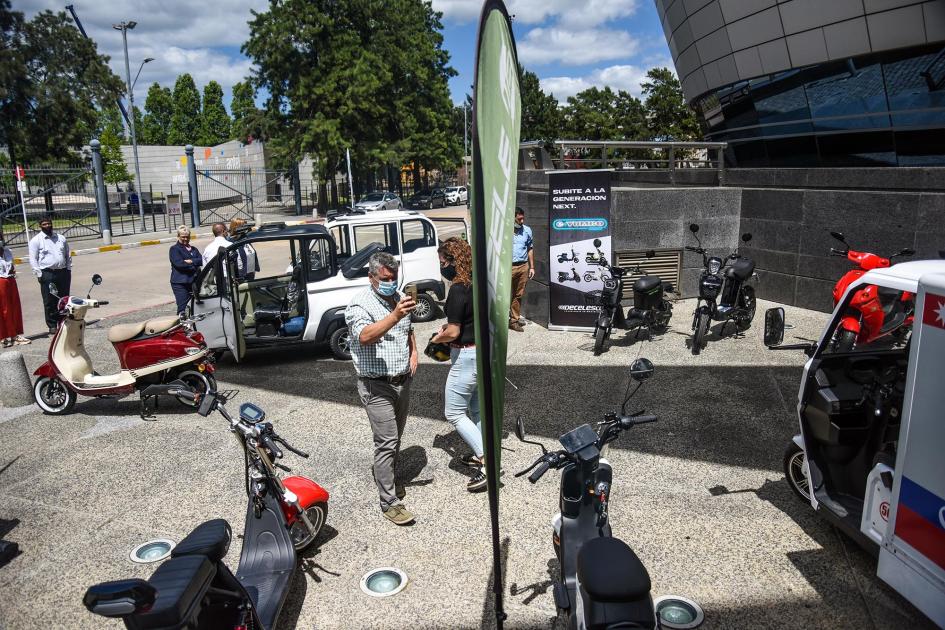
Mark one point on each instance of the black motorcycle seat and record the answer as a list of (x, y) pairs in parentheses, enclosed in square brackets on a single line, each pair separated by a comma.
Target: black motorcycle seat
[(740, 269), (610, 572), (268, 313), (181, 584), (211, 539), (646, 284)]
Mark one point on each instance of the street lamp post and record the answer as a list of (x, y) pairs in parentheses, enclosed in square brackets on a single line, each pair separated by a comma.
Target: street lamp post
[(124, 27)]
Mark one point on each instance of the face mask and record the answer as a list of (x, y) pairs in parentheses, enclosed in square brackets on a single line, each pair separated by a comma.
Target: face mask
[(449, 272), (387, 288)]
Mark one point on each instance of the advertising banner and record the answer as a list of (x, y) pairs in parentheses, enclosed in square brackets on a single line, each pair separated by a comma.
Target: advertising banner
[(496, 126), (578, 239)]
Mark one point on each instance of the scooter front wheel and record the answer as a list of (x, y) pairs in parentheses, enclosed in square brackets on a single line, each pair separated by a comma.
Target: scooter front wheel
[(600, 336), (794, 459), (701, 329), (302, 538), (200, 382), (53, 396)]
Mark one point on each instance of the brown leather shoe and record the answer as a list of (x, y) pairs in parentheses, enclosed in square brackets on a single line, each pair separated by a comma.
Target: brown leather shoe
[(516, 327)]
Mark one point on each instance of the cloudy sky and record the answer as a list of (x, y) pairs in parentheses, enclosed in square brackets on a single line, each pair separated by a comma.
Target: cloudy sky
[(569, 44)]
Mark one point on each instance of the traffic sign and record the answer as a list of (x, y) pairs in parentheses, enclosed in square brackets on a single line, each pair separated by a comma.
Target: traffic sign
[(20, 173)]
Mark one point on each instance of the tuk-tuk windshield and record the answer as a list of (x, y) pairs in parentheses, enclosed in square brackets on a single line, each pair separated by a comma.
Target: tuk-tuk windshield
[(875, 318)]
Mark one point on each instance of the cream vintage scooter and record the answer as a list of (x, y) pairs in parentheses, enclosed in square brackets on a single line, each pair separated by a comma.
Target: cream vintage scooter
[(151, 352)]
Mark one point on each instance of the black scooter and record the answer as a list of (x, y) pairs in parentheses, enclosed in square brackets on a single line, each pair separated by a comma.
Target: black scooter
[(603, 583), (573, 257), (194, 588), (564, 276), (724, 293), (650, 311)]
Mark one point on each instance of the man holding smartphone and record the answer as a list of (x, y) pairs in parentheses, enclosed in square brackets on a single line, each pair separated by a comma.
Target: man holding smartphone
[(384, 353)]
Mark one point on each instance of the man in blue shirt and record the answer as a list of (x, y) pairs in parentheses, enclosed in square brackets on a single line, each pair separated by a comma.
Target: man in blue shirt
[(523, 267)]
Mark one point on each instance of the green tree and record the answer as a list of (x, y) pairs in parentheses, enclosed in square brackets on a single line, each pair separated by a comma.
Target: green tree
[(158, 110), (369, 76), (215, 123), (185, 120), (111, 135), (591, 115), (110, 118), (243, 107), (541, 117), (52, 79), (670, 118)]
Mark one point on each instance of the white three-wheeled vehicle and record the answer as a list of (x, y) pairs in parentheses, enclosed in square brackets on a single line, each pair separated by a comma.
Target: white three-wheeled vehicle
[(870, 456)]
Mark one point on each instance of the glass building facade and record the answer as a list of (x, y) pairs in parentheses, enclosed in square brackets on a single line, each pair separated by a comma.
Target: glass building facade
[(881, 109)]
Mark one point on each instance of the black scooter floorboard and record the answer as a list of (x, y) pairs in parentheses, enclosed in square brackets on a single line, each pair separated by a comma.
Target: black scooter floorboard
[(267, 561)]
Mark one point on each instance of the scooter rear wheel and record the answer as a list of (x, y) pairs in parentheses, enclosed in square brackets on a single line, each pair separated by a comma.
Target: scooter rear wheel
[(53, 396), (302, 539), (200, 382)]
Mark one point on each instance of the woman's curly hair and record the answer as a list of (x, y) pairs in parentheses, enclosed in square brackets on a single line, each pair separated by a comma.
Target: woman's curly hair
[(458, 252)]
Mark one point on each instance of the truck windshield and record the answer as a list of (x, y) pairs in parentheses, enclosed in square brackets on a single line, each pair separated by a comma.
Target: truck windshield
[(875, 318)]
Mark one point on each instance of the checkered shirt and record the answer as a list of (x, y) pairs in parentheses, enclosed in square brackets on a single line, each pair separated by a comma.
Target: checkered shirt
[(391, 355)]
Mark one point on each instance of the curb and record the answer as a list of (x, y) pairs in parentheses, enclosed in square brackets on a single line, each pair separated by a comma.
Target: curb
[(134, 244)]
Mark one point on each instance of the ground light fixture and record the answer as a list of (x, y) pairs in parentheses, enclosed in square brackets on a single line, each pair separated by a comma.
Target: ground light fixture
[(383, 582), (152, 551), (678, 613)]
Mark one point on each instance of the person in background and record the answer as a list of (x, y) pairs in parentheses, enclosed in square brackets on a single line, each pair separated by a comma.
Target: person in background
[(52, 266), (11, 314), (384, 353), (219, 241), (523, 267), (247, 263), (186, 262), (462, 391)]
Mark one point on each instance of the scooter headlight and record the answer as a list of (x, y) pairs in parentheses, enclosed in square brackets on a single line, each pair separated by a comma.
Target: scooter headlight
[(714, 265)]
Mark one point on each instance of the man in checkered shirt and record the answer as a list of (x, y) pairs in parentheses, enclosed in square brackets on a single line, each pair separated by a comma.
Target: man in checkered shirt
[(384, 352)]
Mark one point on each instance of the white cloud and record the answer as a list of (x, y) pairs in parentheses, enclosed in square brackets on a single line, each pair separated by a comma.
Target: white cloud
[(570, 13), (621, 77), (575, 47)]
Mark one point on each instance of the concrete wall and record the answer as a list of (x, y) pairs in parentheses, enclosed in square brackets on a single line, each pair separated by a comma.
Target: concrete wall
[(789, 212), (719, 42)]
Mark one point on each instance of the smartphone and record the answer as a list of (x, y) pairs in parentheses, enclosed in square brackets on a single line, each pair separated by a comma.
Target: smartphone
[(411, 291)]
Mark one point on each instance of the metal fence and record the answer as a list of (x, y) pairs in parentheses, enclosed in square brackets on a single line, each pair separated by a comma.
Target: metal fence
[(65, 193), (631, 155)]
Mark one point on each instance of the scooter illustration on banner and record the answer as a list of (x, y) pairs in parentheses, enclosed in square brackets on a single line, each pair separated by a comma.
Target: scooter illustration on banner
[(598, 258), (151, 352), (564, 257), (564, 276)]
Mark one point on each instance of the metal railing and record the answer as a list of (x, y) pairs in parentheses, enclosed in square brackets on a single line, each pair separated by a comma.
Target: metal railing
[(635, 155)]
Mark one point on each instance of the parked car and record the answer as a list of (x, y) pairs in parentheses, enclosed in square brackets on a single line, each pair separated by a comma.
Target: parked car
[(457, 195), (308, 274), (428, 199), (379, 201)]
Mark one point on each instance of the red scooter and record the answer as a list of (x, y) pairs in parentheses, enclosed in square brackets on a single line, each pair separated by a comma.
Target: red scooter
[(872, 313), (155, 351)]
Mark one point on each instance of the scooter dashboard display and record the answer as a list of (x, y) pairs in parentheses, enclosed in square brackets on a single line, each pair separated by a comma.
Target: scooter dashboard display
[(579, 442)]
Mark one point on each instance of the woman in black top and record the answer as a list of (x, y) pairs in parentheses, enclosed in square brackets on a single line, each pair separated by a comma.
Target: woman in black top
[(462, 392)]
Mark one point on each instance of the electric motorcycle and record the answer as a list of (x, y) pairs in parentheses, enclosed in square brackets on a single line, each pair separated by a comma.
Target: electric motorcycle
[(564, 276), (155, 351), (724, 292), (873, 312), (603, 583), (598, 258), (650, 311), (572, 257), (194, 588), (591, 276)]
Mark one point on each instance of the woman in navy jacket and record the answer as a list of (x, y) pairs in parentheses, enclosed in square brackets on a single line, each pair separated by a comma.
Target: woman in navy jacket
[(185, 265)]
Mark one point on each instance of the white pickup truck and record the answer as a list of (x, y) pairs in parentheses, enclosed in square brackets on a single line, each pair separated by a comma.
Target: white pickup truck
[(870, 455), (307, 275)]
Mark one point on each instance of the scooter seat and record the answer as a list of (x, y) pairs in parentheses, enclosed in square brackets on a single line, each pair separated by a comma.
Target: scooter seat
[(124, 332), (160, 324), (740, 269), (610, 572), (181, 584), (211, 539)]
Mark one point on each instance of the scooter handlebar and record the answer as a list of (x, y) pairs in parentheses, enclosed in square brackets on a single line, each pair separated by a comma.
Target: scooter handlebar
[(289, 447), (538, 472), (837, 252), (266, 441)]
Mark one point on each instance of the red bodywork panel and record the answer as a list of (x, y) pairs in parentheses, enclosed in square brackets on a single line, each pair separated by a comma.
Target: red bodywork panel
[(138, 353), (308, 492), (868, 324), (46, 369)]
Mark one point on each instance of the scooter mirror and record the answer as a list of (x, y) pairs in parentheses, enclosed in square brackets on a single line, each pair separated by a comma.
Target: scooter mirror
[(597, 242), (96, 279), (694, 227), (641, 369), (908, 251), (746, 237), (520, 428), (839, 236), (650, 253), (774, 326)]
